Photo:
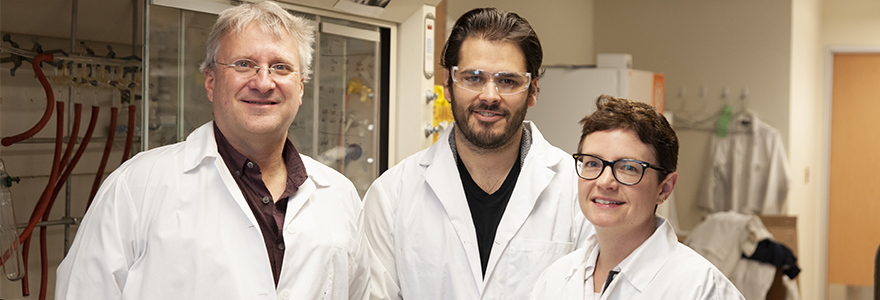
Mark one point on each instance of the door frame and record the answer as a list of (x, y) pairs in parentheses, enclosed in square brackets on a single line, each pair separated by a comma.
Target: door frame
[(825, 180)]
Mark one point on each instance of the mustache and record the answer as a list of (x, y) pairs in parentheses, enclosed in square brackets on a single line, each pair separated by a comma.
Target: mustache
[(485, 106)]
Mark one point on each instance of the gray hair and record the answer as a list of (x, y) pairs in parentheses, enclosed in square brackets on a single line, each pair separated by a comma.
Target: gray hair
[(271, 19)]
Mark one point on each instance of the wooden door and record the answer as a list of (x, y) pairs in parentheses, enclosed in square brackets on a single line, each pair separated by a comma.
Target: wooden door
[(854, 191)]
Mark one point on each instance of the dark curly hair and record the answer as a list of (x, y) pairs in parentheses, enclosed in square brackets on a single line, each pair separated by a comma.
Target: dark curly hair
[(648, 123)]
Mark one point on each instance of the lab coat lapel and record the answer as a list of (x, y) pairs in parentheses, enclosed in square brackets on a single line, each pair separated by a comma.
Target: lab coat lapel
[(297, 200), (534, 177), (574, 287), (201, 145), (574, 280), (440, 164)]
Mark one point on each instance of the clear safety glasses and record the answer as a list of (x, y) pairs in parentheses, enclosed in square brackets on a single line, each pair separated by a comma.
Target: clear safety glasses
[(506, 83)]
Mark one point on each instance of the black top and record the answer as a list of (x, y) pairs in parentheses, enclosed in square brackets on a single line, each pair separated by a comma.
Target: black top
[(487, 209)]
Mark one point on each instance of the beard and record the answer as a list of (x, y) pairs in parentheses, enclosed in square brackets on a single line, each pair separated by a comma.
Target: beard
[(481, 134)]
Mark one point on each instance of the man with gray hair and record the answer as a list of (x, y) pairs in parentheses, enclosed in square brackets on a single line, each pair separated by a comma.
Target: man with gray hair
[(233, 212)]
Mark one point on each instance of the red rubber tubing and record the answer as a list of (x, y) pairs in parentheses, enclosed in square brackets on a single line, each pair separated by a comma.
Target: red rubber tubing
[(71, 143), (50, 102), (129, 136), (40, 208), (108, 146), (74, 133), (44, 260)]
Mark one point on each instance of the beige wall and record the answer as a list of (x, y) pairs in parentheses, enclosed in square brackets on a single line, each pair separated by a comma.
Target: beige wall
[(805, 143), (565, 27), (699, 44), (850, 22)]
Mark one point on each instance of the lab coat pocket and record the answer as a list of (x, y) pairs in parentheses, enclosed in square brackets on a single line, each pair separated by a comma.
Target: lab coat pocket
[(350, 253), (337, 271), (526, 259)]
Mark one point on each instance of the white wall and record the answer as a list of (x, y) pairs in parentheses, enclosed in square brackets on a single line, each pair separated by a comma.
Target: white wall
[(565, 27)]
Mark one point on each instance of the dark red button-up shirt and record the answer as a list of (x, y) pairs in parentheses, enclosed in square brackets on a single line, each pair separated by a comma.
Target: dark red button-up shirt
[(269, 214)]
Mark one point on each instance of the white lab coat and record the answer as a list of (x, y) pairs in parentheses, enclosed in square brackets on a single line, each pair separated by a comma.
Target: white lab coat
[(660, 268), (171, 223), (724, 238), (424, 243), (749, 171)]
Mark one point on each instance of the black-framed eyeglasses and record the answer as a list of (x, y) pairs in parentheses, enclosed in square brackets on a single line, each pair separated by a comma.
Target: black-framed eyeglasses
[(625, 171), (247, 68)]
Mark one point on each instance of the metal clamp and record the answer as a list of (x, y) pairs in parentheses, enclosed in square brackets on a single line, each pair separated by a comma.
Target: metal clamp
[(429, 129), (430, 96)]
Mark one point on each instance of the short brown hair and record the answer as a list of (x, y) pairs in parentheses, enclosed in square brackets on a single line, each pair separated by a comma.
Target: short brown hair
[(648, 123)]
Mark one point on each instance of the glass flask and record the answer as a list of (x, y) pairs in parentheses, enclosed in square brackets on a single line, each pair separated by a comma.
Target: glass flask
[(10, 247)]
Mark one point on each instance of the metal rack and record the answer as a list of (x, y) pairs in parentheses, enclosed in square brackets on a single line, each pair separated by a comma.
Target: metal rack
[(99, 62), (71, 53)]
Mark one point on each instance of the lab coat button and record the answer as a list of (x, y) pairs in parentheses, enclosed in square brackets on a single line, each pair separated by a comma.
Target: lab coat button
[(285, 295), (266, 200)]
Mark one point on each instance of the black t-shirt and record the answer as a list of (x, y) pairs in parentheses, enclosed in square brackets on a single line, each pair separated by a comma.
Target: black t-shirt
[(486, 209)]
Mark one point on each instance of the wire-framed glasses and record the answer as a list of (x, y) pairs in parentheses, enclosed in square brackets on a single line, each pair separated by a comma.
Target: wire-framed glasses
[(246, 67), (625, 171), (506, 83)]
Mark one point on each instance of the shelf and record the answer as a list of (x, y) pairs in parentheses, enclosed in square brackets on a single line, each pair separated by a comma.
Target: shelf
[(62, 221)]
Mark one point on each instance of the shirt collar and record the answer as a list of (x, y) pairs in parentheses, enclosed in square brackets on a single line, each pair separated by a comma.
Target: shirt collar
[(238, 163)]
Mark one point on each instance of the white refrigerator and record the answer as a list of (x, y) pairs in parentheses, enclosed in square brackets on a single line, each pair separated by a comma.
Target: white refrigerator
[(567, 94)]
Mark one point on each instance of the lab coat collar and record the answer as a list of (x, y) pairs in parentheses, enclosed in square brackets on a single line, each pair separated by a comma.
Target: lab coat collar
[(439, 163), (583, 260), (298, 199), (200, 146), (541, 145), (745, 121), (320, 179), (642, 266)]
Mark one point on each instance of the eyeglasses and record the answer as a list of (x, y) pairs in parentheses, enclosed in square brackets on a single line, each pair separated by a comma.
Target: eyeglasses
[(625, 171), (506, 83), (247, 67)]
